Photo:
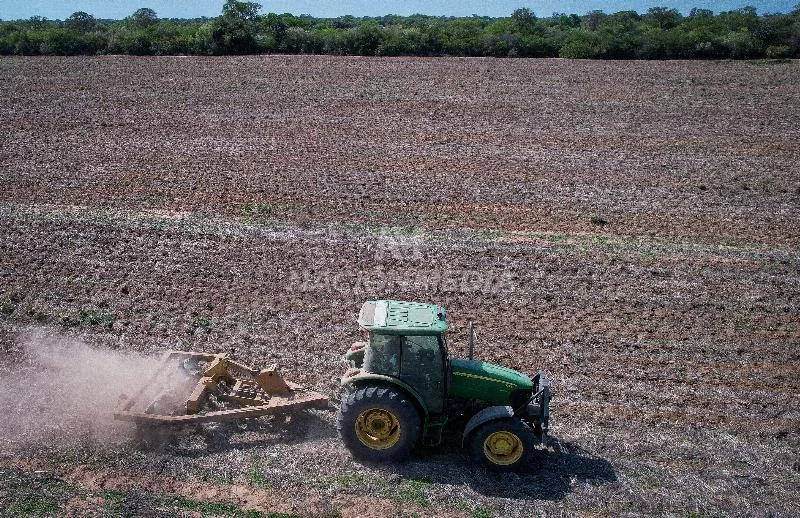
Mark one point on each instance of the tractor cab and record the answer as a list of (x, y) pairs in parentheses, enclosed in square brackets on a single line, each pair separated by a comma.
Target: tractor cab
[(403, 365), (406, 342)]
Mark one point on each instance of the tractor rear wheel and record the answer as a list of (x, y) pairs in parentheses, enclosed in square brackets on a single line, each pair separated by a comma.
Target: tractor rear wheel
[(502, 444), (378, 423)]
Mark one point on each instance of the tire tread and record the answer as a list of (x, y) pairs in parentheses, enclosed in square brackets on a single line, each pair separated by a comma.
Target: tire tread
[(356, 401)]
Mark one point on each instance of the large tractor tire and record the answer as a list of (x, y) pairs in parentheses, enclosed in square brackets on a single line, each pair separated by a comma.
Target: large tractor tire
[(502, 445), (378, 424)]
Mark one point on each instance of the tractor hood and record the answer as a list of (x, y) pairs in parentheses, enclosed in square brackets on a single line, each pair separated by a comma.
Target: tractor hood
[(488, 382)]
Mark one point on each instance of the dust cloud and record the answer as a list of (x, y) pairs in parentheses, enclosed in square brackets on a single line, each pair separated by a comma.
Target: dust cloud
[(64, 392)]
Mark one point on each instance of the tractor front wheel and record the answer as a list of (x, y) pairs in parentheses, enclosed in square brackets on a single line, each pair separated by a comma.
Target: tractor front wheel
[(378, 424), (502, 445)]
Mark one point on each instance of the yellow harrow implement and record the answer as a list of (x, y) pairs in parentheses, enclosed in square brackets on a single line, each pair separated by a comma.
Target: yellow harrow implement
[(192, 387)]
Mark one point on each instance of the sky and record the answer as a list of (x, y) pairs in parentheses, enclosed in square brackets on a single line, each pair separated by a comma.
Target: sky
[(117, 9)]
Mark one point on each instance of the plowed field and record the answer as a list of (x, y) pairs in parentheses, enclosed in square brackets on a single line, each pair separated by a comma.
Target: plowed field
[(630, 228)]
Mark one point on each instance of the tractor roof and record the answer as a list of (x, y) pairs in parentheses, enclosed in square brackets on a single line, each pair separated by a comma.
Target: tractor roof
[(402, 318)]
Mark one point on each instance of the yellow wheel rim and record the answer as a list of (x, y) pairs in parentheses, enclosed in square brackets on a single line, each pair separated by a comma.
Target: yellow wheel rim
[(503, 448), (377, 428)]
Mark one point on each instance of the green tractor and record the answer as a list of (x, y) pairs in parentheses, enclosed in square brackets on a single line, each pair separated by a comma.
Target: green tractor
[(402, 389)]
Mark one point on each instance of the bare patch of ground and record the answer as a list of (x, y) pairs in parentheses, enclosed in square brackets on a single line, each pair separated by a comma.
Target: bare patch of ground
[(697, 150)]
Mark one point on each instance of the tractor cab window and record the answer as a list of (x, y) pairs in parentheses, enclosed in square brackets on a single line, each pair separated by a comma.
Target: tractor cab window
[(383, 354), (423, 368)]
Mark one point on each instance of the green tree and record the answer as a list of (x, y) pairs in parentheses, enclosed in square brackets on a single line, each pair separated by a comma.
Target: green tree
[(623, 33), (460, 37), (535, 46), (572, 21), (38, 23), (400, 41), (61, 41), (144, 17), (662, 17), (657, 43), (273, 29), (524, 19), (81, 22), (235, 31), (203, 41), (778, 51), (742, 44), (366, 39), (333, 41), (661, 33), (701, 13), (744, 18), (240, 10), (17, 41), (593, 20), (500, 46), (582, 44), (296, 40)]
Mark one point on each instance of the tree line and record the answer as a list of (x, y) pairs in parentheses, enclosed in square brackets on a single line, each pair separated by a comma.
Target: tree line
[(660, 33)]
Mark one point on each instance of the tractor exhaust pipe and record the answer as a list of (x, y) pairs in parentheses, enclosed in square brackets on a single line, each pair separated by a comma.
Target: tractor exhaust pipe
[(471, 332)]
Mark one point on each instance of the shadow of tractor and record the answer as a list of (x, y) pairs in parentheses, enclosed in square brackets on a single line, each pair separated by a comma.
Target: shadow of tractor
[(550, 475)]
